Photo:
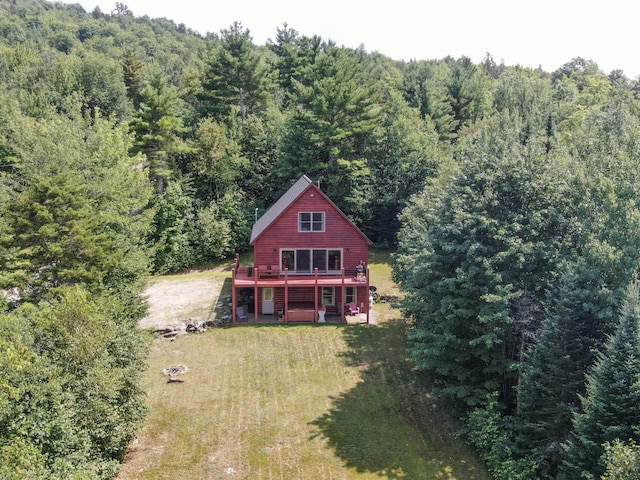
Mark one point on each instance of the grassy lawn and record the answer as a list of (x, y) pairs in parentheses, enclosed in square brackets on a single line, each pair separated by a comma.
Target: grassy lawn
[(300, 402)]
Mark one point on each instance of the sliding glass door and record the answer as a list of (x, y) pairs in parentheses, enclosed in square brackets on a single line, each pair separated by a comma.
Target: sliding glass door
[(303, 260)]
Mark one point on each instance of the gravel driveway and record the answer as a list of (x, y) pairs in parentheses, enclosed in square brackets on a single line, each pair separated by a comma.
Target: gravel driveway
[(176, 299)]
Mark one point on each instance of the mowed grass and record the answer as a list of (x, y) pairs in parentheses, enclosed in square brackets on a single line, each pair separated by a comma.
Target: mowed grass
[(295, 402)]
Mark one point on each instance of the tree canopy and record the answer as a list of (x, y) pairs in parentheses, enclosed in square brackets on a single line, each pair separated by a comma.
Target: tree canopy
[(133, 146)]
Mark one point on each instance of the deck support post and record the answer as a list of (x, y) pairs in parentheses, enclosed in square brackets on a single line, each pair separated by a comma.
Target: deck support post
[(342, 300), (315, 297)]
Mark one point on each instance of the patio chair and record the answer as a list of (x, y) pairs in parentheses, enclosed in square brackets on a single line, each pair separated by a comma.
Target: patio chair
[(240, 313), (354, 309)]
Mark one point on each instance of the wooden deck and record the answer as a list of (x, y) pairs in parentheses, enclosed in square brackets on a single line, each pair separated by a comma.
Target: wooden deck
[(244, 277), (289, 289)]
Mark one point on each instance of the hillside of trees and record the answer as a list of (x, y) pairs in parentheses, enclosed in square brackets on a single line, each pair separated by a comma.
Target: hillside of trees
[(133, 146)]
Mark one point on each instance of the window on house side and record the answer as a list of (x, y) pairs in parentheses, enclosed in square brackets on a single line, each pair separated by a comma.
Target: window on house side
[(303, 260), (311, 221), (350, 294), (328, 296)]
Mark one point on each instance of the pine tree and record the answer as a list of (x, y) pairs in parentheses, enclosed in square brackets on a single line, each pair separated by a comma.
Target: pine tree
[(54, 239), (553, 376), (495, 237), (132, 68), (235, 76), (611, 405), (157, 125)]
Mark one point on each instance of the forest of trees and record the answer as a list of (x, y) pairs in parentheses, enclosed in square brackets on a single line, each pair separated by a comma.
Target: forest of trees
[(133, 146)]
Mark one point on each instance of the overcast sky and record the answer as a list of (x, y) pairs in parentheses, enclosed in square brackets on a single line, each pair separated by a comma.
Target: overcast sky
[(542, 33)]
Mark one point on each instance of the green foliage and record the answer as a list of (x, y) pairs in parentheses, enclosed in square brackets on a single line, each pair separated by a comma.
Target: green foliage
[(261, 145), (528, 95), (520, 221), (54, 239), (215, 162), (187, 233), (213, 233), (111, 198), (22, 459), (102, 85), (173, 228), (425, 90), (156, 126), (70, 382), (101, 362), (404, 153), (453, 93), (554, 368), (338, 106), (494, 237), (622, 461), (235, 77), (132, 69), (236, 213), (488, 431), (349, 180), (611, 405)]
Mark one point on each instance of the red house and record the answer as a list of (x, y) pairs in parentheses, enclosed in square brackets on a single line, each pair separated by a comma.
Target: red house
[(306, 263)]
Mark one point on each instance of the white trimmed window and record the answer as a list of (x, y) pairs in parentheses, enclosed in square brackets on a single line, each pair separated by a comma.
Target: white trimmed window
[(311, 221), (350, 295), (328, 296), (304, 260)]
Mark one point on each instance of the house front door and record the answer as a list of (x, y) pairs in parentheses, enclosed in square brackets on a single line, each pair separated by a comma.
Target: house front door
[(267, 301)]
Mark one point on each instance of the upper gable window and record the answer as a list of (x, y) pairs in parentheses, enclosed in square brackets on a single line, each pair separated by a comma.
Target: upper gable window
[(311, 221)]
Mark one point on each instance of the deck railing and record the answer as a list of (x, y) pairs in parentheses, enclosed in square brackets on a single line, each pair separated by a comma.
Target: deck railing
[(252, 272), (262, 272)]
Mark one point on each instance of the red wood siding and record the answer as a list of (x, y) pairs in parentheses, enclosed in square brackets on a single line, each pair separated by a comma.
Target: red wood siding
[(283, 233)]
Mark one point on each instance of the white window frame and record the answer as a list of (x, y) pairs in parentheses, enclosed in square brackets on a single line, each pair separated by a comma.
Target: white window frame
[(315, 225), (350, 297), (330, 298), (326, 269)]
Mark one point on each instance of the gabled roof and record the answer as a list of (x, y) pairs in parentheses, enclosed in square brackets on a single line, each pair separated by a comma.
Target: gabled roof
[(285, 201)]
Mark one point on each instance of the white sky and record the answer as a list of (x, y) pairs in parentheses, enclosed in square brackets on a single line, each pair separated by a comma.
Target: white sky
[(545, 33)]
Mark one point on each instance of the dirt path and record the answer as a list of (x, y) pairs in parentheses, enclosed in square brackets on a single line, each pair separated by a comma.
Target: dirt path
[(176, 299)]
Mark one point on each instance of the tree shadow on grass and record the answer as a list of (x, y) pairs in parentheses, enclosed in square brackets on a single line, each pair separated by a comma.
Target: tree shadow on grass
[(221, 306), (387, 424)]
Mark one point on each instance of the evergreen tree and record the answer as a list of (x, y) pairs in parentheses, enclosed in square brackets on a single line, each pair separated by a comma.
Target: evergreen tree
[(132, 68), (54, 239), (425, 90), (296, 57), (157, 125), (93, 152), (494, 239), (611, 406), (469, 90), (553, 374), (528, 94), (261, 145), (402, 154), (335, 118), (235, 76)]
